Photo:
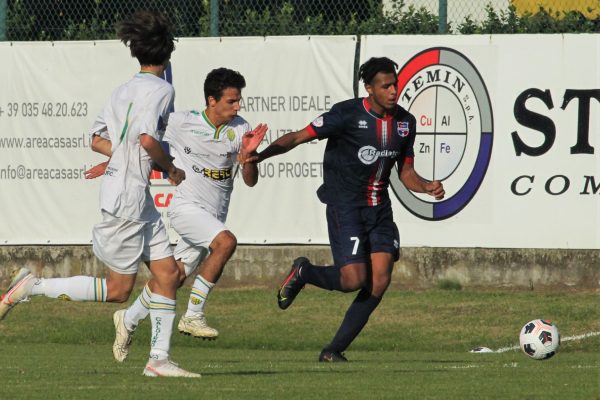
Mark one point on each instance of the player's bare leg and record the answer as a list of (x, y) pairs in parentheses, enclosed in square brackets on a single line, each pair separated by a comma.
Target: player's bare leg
[(194, 321)]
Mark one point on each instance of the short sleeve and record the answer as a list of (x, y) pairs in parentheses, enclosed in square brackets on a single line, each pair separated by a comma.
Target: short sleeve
[(156, 112), (328, 124), (408, 154), (99, 126)]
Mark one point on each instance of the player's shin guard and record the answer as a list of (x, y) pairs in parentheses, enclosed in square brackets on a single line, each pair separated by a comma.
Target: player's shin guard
[(139, 309), (324, 277), (354, 321), (162, 315), (76, 288), (198, 296)]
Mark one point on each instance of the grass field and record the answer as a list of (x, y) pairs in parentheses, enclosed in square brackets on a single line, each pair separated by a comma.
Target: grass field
[(416, 346)]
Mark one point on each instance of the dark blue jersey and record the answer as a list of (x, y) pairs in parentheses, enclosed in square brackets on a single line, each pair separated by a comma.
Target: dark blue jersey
[(362, 148)]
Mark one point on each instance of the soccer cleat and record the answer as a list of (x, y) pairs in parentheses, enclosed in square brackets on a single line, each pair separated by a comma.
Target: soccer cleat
[(292, 285), (123, 337), (18, 291), (332, 356), (167, 368), (196, 326)]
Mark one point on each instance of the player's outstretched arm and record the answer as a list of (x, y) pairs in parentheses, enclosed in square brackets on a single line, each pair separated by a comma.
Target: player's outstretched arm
[(415, 183), (250, 142), (284, 144), (158, 155)]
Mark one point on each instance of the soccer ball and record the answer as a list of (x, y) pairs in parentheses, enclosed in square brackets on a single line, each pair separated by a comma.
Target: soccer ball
[(539, 339)]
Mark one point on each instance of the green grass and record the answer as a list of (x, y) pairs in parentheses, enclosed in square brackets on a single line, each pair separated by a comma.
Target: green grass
[(414, 347)]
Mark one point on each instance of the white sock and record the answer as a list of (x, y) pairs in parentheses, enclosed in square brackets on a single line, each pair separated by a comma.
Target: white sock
[(76, 288), (139, 310), (162, 315), (198, 297)]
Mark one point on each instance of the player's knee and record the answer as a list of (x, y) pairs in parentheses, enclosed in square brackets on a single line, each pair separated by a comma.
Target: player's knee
[(353, 279), (170, 275), (181, 273), (224, 243), (380, 284), (352, 284), (118, 293)]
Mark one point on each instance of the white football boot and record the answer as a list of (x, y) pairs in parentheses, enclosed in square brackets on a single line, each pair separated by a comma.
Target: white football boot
[(18, 291), (123, 336), (196, 326), (167, 368)]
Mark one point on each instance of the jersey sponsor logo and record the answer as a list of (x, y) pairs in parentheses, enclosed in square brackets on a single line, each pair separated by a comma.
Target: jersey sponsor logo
[(362, 124), (443, 89), (111, 171), (214, 174), (369, 154), (197, 132), (188, 150), (402, 129), (318, 122)]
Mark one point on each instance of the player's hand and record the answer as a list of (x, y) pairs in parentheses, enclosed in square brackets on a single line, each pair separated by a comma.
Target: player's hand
[(176, 175), (435, 189), (250, 142), (96, 171)]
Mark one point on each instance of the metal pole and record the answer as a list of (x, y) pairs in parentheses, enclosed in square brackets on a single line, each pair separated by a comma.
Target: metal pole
[(3, 17), (214, 18), (443, 17)]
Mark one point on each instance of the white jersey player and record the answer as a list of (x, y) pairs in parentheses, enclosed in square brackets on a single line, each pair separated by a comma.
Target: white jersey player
[(128, 130), (206, 146)]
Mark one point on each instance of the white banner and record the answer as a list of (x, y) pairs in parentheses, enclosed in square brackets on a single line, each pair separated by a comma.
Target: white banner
[(53, 91), (511, 124)]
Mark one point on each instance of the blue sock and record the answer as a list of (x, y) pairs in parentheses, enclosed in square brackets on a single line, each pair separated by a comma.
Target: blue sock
[(324, 277), (356, 318)]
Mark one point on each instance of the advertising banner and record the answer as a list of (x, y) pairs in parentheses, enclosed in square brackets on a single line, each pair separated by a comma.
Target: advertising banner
[(511, 125), (51, 93)]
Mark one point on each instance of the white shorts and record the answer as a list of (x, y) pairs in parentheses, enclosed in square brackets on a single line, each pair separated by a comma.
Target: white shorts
[(197, 228), (121, 244)]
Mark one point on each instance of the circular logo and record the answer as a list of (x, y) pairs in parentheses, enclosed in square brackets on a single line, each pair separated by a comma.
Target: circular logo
[(447, 96), (367, 155), (318, 122)]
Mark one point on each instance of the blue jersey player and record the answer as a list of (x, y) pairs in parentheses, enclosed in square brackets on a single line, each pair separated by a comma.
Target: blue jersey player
[(366, 137)]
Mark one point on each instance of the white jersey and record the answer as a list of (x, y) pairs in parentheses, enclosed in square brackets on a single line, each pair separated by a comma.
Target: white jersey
[(140, 106), (208, 155)]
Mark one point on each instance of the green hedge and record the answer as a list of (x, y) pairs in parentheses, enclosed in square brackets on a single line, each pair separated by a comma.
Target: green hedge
[(95, 19)]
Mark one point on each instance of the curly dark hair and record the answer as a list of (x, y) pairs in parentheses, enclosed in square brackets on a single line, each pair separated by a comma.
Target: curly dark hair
[(373, 65), (149, 37), (220, 79)]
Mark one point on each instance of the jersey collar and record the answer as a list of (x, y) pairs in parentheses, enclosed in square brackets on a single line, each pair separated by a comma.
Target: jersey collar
[(217, 130), (370, 110)]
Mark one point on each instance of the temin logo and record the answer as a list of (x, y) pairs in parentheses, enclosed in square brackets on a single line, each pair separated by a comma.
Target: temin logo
[(449, 99), (362, 124), (187, 150)]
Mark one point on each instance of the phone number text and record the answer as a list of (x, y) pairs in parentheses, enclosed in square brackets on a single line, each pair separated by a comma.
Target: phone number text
[(44, 109)]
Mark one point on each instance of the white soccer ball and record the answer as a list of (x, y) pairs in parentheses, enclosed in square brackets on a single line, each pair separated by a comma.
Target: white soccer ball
[(539, 339)]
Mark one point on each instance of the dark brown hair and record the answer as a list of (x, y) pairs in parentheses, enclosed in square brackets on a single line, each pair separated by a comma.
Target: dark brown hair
[(149, 37)]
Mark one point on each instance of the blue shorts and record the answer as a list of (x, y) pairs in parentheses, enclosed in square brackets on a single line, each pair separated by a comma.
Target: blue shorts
[(356, 232)]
